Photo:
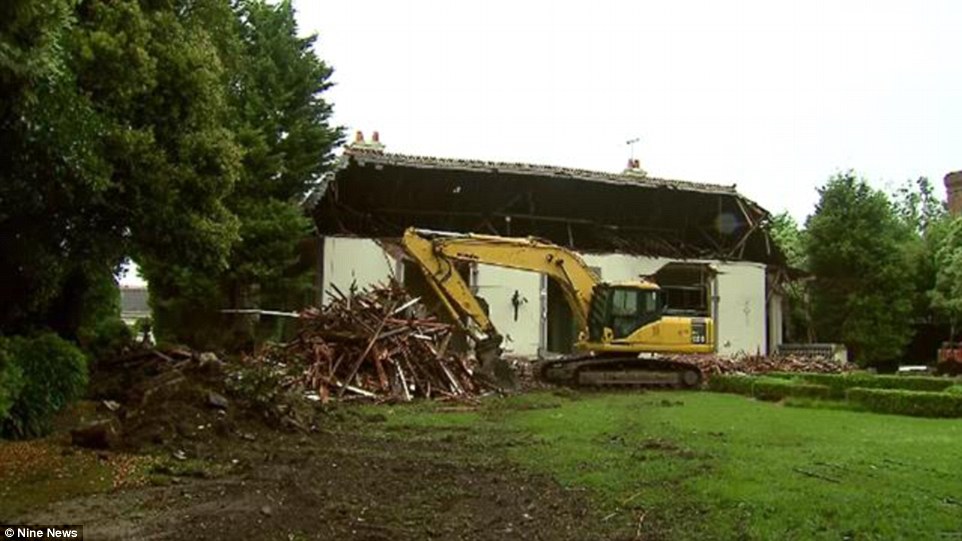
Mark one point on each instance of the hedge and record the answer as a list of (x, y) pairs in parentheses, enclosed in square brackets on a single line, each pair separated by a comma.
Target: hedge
[(737, 384), (839, 383), (766, 388), (902, 402), (776, 389)]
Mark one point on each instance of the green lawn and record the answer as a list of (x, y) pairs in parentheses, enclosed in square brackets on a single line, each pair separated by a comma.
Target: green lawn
[(699, 465)]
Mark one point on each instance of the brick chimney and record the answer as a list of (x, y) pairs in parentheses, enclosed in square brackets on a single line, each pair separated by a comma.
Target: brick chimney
[(634, 168), (374, 145), (953, 189)]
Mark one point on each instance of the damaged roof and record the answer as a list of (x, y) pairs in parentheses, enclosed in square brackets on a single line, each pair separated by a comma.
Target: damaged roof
[(371, 193)]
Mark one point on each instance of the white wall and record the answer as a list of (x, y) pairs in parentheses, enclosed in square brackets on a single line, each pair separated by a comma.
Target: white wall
[(497, 286), (741, 308), (350, 260)]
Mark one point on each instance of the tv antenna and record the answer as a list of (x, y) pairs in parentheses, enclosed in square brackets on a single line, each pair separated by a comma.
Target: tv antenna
[(631, 143)]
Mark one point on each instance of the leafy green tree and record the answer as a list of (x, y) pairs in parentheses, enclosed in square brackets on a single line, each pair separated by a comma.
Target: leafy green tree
[(862, 289), (946, 295), (115, 128), (790, 239), (281, 122), (918, 206), (924, 214), (50, 169)]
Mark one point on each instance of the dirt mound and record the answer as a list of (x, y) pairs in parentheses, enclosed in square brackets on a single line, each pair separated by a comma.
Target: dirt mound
[(178, 398)]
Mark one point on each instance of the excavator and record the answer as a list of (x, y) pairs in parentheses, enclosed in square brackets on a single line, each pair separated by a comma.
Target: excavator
[(626, 329)]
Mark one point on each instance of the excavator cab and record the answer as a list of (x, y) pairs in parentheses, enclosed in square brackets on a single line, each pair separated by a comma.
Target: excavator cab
[(618, 310)]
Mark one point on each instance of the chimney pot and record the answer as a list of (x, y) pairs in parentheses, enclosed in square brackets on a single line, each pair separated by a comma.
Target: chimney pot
[(375, 137), (359, 137)]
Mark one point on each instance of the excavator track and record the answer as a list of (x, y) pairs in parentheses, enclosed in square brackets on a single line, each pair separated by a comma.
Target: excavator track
[(620, 371)]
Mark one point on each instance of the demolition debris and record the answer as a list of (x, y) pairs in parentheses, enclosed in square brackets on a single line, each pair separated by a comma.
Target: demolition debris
[(377, 343), (711, 365)]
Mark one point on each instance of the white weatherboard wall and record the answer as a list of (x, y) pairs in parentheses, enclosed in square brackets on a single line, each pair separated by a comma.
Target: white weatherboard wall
[(350, 260), (497, 286)]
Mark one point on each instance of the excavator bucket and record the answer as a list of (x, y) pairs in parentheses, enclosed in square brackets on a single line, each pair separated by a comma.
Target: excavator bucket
[(494, 368)]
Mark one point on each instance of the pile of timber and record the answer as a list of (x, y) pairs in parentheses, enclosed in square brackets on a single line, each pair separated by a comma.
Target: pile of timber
[(377, 343), (760, 364)]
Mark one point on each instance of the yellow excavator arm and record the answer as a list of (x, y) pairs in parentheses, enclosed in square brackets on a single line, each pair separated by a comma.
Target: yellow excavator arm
[(435, 251)]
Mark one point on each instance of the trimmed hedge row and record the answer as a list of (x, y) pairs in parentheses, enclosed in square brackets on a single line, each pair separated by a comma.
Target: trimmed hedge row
[(901, 402), (947, 403), (777, 389), (765, 388), (735, 384), (839, 383)]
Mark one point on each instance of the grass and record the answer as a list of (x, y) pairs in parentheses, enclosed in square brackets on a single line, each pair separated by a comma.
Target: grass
[(37, 472), (689, 465)]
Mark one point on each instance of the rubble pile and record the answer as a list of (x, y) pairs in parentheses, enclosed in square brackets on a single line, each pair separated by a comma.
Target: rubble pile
[(759, 364), (376, 343), (155, 396)]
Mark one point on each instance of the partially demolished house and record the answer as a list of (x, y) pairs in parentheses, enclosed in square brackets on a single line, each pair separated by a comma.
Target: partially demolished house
[(705, 244)]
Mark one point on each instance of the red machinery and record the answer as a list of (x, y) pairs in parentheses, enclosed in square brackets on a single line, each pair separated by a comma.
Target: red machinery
[(950, 358)]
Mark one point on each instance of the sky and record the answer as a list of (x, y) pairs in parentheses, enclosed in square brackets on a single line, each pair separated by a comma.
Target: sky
[(773, 96)]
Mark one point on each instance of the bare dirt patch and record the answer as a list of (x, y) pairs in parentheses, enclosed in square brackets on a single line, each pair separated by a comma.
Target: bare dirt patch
[(344, 484)]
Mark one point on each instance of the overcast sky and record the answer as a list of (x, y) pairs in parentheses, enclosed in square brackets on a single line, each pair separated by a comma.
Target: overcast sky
[(774, 96)]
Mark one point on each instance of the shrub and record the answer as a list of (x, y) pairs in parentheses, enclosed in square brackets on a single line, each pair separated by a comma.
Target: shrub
[(955, 389), (776, 389), (839, 383), (782, 375), (108, 338), (54, 374), (902, 402), (737, 384), (767, 388), (11, 379)]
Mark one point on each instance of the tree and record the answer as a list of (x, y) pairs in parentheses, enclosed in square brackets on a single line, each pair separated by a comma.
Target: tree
[(862, 288), (790, 239), (946, 295), (114, 132), (918, 206), (924, 215), (281, 122)]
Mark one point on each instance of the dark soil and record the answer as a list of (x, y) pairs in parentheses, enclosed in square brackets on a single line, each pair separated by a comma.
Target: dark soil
[(353, 483), (279, 469)]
